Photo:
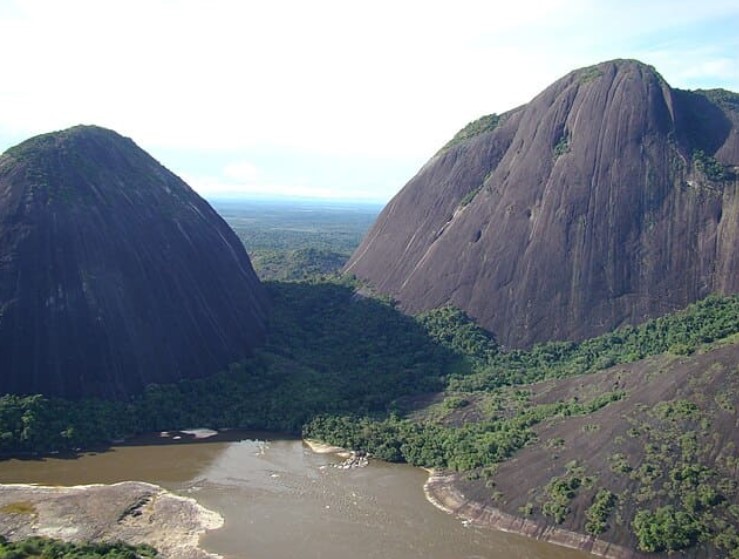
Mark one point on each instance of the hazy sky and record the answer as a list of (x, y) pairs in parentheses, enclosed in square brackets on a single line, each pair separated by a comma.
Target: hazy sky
[(320, 98)]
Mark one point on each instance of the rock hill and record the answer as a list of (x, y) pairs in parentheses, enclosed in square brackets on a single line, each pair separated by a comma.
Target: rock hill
[(114, 273), (608, 199)]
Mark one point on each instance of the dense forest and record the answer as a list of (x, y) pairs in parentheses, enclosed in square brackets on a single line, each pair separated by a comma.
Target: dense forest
[(334, 352), (703, 323), (330, 351)]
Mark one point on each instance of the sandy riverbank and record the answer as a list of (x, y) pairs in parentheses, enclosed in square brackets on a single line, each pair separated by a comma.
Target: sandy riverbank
[(441, 491), (323, 448), (133, 512)]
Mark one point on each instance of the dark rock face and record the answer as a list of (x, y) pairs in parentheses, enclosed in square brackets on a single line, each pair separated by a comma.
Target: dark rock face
[(114, 274), (610, 198)]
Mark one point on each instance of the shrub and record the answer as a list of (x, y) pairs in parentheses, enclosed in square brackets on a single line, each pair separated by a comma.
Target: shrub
[(665, 529)]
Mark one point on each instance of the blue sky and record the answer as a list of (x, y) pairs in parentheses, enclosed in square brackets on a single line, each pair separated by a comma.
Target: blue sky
[(328, 99)]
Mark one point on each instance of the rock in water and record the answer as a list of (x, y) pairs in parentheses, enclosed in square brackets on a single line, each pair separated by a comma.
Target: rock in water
[(608, 199), (114, 273)]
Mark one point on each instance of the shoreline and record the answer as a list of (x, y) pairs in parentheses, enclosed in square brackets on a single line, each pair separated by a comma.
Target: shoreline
[(131, 511), (323, 448), (441, 492), (199, 435)]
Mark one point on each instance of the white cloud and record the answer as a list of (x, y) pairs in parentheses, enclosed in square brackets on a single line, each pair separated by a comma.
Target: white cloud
[(244, 171), (330, 78), (215, 187)]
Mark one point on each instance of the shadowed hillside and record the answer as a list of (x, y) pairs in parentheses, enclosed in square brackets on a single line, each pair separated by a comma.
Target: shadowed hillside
[(114, 273)]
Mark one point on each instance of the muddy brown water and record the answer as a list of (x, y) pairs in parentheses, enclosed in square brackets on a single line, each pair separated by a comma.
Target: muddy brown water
[(281, 500)]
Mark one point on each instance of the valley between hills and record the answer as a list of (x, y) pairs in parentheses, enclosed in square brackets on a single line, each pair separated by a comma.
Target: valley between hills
[(609, 423), (639, 421)]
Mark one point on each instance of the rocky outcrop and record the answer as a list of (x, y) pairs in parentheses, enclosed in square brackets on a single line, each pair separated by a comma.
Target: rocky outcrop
[(441, 491), (114, 273), (132, 512), (608, 199), (356, 459), (634, 449)]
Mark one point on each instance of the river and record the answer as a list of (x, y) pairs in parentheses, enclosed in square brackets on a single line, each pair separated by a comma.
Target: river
[(281, 500)]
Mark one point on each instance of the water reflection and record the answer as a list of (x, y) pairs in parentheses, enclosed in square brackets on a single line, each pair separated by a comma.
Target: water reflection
[(151, 458)]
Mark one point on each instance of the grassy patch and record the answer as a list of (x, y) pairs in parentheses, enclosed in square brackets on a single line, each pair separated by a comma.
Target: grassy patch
[(589, 74), (561, 147), (483, 124)]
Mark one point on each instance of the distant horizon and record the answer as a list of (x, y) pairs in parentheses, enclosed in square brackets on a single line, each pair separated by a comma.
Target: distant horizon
[(281, 199)]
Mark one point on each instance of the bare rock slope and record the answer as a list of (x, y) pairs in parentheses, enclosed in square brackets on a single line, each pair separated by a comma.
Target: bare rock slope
[(675, 414), (608, 199), (114, 273), (131, 511)]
